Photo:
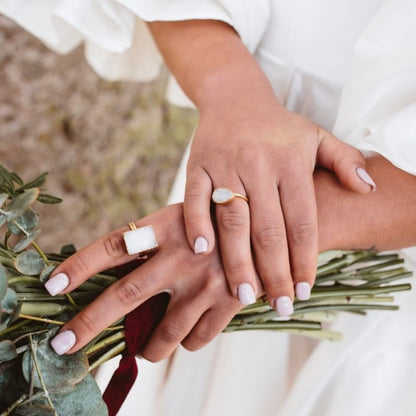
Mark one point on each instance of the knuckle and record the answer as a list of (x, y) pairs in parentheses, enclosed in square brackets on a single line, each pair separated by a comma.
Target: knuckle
[(129, 291), (198, 339), (170, 334), (88, 321), (232, 221), (114, 245), (270, 236), (238, 267), (303, 234), (277, 285), (80, 264), (193, 192)]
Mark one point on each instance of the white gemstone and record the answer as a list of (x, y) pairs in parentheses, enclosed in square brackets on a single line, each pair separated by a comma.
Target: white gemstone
[(140, 240), (222, 195)]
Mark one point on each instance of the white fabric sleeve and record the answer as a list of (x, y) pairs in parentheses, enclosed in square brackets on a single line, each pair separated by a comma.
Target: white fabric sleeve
[(378, 106), (118, 44)]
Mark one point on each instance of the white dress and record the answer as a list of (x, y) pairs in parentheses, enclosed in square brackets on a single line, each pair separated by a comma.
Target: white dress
[(351, 67)]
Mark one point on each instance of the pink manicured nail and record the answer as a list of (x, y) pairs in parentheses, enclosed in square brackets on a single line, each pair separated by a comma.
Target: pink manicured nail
[(246, 294), (57, 283), (201, 245), (365, 177), (63, 342), (284, 306), (303, 291)]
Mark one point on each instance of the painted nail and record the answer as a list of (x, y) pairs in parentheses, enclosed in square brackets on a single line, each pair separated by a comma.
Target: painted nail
[(246, 294), (201, 245), (303, 291), (63, 342), (284, 306), (365, 177), (57, 283)]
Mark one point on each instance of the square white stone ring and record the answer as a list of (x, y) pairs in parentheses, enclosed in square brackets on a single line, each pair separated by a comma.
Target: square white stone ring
[(140, 240)]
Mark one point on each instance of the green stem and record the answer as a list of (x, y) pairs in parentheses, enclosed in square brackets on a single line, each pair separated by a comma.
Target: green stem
[(41, 253), (36, 318), (105, 343), (14, 405), (14, 327), (108, 355), (42, 382)]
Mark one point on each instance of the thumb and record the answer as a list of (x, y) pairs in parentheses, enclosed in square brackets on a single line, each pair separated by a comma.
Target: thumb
[(346, 162)]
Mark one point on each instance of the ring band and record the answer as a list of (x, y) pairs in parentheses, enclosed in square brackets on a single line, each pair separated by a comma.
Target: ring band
[(223, 196), (139, 240)]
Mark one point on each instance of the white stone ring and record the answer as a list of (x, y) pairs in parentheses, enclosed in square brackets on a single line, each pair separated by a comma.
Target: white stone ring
[(223, 196), (139, 240)]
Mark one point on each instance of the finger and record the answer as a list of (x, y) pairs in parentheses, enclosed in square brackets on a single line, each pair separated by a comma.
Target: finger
[(182, 315), (233, 226), (268, 236), (346, 162), (210, 325), (300, 214), (124, 296), (199, 230), (106, 252)]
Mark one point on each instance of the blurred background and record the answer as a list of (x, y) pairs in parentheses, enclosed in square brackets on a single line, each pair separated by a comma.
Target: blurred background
[(111, 148)]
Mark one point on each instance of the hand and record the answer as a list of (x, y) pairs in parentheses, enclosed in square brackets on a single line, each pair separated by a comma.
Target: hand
[(247, 142), (259, 149), (200, 305)]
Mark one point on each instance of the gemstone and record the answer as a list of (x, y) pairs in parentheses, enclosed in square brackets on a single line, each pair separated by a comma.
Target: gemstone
[(222, 195), (140, 240)]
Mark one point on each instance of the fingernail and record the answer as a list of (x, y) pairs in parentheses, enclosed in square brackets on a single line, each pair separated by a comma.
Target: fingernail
[(365, 177), (201, 245), (303, 291), (284, 306), (246, 294), (57, 283), (63, 342)]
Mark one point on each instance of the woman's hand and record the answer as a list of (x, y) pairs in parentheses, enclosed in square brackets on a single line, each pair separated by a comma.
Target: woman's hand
[(200, 305), (249, 143)]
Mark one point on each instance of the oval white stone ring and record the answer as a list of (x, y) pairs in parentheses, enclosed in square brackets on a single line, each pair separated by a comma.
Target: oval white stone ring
[(223, 196)]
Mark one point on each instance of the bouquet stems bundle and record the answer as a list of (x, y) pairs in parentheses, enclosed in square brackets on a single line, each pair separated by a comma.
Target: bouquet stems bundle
[(36, 381)]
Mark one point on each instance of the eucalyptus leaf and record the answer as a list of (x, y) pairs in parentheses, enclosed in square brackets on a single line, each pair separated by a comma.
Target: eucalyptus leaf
[(20, 204), (9, 301), (26, 241), (2, 219), (28, 221), (34, 410), (46, 272), (4, 321), (5, 177), (29, 262), (16, 178), (7, 351), (12, 383), (3, 282), (3, 198), (49, 199), (56, 370), (36, 183), (84, 400)]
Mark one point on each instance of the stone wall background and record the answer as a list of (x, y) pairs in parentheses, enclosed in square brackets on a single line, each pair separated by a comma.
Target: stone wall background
[(111, 148)]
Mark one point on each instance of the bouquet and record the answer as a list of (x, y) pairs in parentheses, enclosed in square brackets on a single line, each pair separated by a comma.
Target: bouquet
[(34, 380)]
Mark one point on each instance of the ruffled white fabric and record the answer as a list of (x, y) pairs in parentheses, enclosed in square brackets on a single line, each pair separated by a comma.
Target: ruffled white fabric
[(378, 107), (118, 44)]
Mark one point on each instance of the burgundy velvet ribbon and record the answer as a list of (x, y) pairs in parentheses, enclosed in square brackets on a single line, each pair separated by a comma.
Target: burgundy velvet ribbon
[(139, 325)]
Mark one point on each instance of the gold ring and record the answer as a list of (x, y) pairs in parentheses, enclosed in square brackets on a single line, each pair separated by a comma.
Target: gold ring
[(139, 240), (223, 196)]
